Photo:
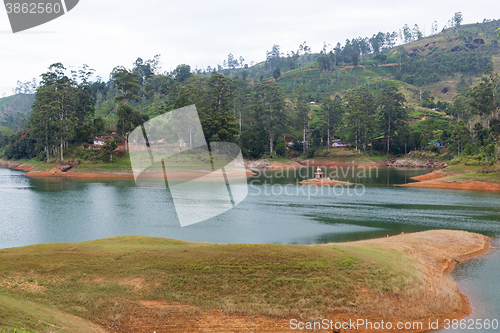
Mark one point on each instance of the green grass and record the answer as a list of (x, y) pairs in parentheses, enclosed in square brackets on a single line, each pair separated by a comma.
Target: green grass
[(347, 155), (94, 161), (462, 172), (17, 314), (281, 159), (101, 279)]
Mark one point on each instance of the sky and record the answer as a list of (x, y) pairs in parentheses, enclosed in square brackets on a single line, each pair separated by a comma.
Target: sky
[(110, 33)]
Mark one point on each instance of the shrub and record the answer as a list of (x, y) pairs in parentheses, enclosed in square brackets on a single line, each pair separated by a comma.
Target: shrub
[(280, 147)]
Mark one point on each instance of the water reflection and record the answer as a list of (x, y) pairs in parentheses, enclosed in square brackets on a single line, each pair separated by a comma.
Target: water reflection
[(360, 175)]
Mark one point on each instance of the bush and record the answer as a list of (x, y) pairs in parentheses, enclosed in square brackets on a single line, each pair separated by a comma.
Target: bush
[(490, 153), (42, 156), (280, 147)]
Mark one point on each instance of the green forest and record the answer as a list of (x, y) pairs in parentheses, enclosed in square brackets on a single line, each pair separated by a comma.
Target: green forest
[(439, 93)]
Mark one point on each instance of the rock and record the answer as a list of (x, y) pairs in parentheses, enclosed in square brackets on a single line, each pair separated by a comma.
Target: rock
[(64, 167)]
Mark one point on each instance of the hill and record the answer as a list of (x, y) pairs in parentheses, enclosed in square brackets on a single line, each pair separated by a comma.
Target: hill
[(14, 110), (427, 71), (440, 64)]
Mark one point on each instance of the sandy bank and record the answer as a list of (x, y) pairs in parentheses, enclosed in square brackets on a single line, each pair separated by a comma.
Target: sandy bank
[(466, 185), (429, 176), (434, 252), (18, 165), (437, 180)]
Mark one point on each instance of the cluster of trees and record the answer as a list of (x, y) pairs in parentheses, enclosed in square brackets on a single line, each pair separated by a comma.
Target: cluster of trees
[(258, 117), (476, 120), (63, 111), (421, 70)]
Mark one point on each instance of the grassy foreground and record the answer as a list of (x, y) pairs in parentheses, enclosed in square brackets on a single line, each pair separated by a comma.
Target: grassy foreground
[(102, 279), (43, 286)]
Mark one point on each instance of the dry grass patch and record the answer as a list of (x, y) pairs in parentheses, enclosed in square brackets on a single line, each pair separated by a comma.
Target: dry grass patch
[(108, 281)]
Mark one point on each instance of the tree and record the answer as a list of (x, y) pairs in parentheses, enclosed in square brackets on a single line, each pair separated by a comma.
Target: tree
[(218, 123), (457, 19), (302, 109), (53, 115), (407, 34), (128, 119), (460, 136), (146, 69), (109, 147), (355, 58), (268, 108), (128, 84), (485, 99), (273, 57), (231, 62), (391, 110), (182, 72), (417, 34), (85, 105), (331, 116), (360, 109), (276, 73), (434, 27), (324, 62)]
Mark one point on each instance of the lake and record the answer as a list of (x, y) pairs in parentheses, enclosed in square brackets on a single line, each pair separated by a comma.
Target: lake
[(277, 210)]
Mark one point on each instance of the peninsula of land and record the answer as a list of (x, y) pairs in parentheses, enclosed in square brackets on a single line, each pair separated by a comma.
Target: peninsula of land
[(126, 284)]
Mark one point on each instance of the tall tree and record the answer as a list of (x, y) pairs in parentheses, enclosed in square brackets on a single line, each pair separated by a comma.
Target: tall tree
[(302, 109), (182, 72), (331, 116), (85, 105), (218, 123), (128, 84), (391, 110), (268, 108), (460, 136), (485, 99), (53, 115), (360, 108)]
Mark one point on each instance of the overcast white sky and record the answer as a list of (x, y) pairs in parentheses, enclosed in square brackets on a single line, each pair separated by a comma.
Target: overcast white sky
[(105, 34)]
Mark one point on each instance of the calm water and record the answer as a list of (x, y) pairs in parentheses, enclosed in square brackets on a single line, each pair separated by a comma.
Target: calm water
[(277, 210)]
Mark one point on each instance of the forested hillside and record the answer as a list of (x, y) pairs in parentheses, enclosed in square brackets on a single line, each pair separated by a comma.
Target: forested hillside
[(14, 111), (386, 94)]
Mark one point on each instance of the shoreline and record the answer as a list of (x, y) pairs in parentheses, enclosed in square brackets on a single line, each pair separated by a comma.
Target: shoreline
[(432, 180), (72, 173)]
